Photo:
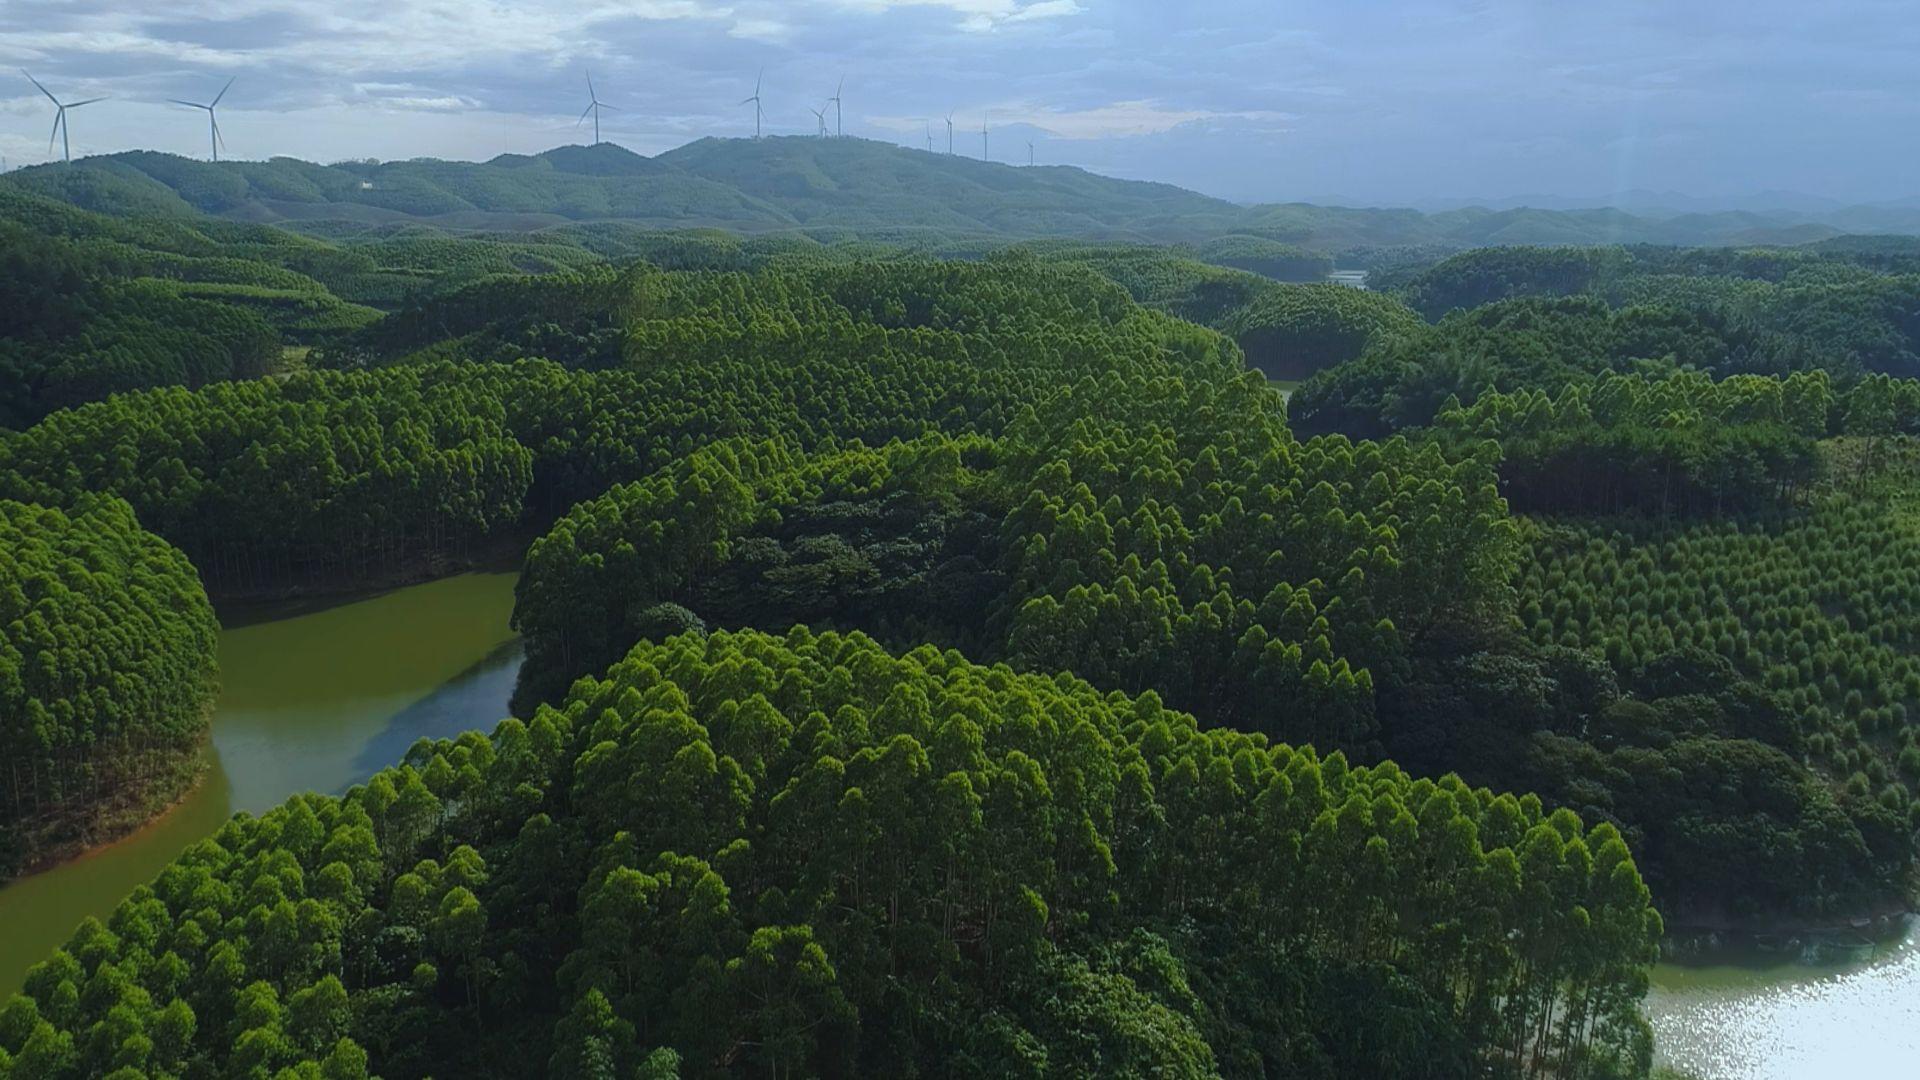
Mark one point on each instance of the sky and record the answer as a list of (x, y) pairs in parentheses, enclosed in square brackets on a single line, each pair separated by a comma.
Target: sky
[(1362, 102)]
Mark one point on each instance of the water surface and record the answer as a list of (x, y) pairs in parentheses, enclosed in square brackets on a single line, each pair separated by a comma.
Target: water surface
[(312, 702), (1792, 1021)]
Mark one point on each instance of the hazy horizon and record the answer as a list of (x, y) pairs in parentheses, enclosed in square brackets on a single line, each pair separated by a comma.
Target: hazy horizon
[(1641, 201), (1389, 104)]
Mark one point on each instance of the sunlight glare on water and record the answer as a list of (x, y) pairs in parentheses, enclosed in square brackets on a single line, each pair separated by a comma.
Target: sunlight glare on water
[(1792, 1022)]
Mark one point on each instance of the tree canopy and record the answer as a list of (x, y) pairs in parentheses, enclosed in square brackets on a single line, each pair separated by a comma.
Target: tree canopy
[(106, 676), (805, 855), (1297, 330), (943, 656), (1165, 534)]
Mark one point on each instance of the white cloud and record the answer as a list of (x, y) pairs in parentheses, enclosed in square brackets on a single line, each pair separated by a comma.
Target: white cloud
[(771, 31), (345, 36), (978, 16), (30, 46), (1379, 99), (443, 103), (28, 104), (1046, 9)]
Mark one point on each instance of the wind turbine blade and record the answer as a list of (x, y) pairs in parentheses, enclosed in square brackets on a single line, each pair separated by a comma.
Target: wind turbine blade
[(89, 101), (57, 118), (43, 89), (189, 104), (757, 80), (223, 91), (591, 93), (217, 136), (604, 105), (583, 116)]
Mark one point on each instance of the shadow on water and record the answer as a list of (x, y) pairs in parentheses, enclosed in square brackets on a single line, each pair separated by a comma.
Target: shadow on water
[(239, 614), (474, 700), (1834, 949)]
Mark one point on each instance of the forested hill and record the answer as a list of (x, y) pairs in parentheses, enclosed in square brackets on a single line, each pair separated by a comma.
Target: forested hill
[(859, 185), (779, 183)]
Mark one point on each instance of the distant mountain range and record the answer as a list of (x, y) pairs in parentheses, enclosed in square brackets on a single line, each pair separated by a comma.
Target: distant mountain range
[(1645, 202), (880, 189)]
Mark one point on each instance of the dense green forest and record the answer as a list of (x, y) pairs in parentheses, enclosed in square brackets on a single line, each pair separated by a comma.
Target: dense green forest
[(1680, 444), (878, 189), (1166, 534), (1716, 457), (804, 855), (107, 676), (105, 304), (1829, 315), (67, 337), (1284, 328), (945, 651), (1809, 620), (359, 474)]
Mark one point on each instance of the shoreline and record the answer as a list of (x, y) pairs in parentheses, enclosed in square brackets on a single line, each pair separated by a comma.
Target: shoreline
[(240, 608), (1855, 919), (1854, 938), (78, 851), (235, 612)]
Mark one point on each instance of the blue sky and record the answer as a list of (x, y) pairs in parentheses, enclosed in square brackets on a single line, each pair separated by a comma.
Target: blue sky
[(1362, 101)]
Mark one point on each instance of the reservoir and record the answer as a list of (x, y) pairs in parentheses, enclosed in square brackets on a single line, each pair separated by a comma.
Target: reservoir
[(308, 702), (1750, 1018)]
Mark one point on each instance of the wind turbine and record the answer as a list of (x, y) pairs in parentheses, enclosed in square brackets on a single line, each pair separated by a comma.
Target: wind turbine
[(820, 121), (1029, 153), (593, 108), (983, 137), (838, 128), (60, 129), (755, 101), (949, 133), (929, 136), (214, 138)]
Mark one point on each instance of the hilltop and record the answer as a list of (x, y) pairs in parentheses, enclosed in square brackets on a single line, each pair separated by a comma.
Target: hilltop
[(852, 185), (772, 184)]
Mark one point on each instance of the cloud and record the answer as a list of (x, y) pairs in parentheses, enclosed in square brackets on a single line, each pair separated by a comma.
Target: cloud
[(772, 31), (1392, 100), (343, 36), (445, 103), (411, 98), (1046, 9), (977, 16)]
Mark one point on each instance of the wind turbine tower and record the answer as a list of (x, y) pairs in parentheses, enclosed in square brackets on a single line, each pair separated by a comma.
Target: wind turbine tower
[(755, 101), (983, 138), (949, 133), (60, 129), (1029, 153), (214, 138), (929, 136), (839, 129), (594, 108)]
